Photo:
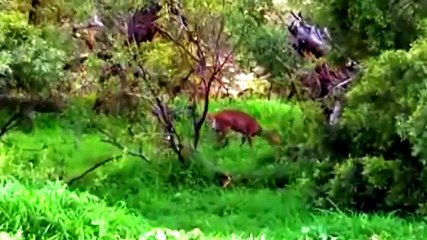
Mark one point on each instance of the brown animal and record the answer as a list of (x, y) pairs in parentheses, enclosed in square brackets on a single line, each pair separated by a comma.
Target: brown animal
[(229, 119)]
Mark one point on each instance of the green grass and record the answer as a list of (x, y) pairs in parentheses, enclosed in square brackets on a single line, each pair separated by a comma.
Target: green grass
[(128, 197), (52, 212)]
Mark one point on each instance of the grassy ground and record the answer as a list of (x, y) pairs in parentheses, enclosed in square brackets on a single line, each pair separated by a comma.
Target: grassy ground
[(52, 212), (128, 197)]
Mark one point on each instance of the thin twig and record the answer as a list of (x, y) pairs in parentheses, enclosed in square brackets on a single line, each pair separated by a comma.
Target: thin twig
[(178, 44), (217, 69), (113, 141)]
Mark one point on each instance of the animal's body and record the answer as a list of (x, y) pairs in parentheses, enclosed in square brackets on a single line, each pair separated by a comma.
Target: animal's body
[(238, 121)]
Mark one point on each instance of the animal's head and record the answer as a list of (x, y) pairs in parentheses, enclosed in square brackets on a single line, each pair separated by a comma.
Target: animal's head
[(210, 120), (295, 21), (273, 137), (87, 31)]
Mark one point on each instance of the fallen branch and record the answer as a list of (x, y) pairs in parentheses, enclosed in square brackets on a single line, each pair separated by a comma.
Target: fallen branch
[(339, 85), (24, 107), (10, 124), (93, 168)]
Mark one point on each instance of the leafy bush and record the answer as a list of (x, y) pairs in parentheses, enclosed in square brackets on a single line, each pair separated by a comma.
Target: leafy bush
[(360, 183), (263, 43), (363, 28), (383, 131), (383, 100), (27, 60)]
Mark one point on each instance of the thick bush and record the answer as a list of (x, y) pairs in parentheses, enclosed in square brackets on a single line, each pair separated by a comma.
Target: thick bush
[(261, 41), (383, 130), (362, 28), (27, 60)]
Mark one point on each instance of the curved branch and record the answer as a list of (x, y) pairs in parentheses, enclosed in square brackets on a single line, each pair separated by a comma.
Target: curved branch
[(93, 168)]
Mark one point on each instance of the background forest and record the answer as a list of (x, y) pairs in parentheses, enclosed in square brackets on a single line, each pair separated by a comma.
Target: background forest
[(104, 131)]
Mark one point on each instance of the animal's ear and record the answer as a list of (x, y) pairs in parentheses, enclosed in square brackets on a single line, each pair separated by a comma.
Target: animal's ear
[(300, 15)]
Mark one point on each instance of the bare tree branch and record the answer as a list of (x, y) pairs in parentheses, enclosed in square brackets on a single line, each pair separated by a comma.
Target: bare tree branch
[(218, 67), (180, 45), (164, 117)]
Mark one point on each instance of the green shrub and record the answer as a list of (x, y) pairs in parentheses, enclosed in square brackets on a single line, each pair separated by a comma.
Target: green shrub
[(382, 130), (359, 183), (261, 42), (27, 60), (362, 28), (265, 44), (380, 104)]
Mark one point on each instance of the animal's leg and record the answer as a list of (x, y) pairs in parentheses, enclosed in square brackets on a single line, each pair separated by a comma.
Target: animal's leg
[(222, 139), (243, 140), (225, 143), (249, 140), (246, 137)]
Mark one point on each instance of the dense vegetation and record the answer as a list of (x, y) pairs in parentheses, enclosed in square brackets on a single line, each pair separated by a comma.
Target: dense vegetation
[(104, 131)]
